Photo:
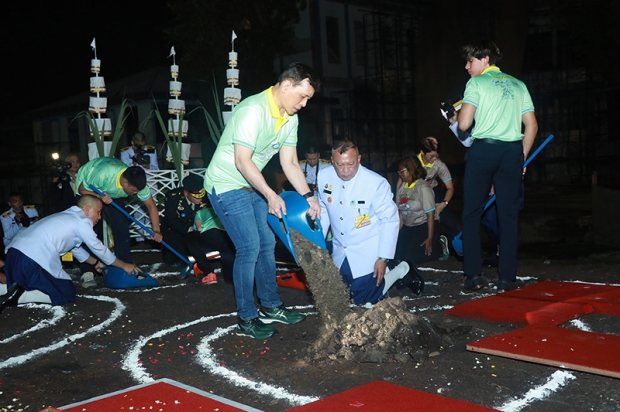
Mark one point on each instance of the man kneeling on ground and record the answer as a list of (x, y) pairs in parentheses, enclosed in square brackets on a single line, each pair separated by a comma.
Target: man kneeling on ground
[(33, 264)]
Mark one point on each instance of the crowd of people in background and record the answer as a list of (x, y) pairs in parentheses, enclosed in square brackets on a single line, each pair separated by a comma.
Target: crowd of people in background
[(377, 233)]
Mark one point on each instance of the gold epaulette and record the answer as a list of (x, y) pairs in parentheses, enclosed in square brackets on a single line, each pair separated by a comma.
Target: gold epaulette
[(29, 207), (7, 214), (125, 148), (325, 162), (150, 147)]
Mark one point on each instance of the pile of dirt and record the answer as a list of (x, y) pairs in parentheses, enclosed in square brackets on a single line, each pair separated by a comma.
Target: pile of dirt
[(385, 332)]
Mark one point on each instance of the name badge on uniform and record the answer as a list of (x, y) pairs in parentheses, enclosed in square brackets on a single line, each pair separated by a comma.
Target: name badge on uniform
[(362, 220)]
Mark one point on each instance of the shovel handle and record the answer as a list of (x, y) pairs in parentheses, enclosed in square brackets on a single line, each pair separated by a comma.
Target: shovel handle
[(146, 229)]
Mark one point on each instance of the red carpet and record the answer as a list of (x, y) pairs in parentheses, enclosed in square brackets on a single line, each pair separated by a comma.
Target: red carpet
[(162, 395), (380, 396), (544, 306), (549, 302), (561, 347)]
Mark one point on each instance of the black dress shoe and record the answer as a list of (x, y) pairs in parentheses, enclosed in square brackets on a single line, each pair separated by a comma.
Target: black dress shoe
[(412, 280), (11, 297)]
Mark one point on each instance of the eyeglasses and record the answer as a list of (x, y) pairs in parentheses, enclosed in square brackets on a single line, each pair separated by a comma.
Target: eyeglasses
[(403, 171)]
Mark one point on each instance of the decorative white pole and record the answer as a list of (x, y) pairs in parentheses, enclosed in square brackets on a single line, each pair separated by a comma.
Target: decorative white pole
[(98, 105), (176, 107), (232, 95)]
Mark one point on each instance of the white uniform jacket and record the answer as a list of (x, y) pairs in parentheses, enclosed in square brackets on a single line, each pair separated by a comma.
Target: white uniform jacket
[(128, 152), (10, 227), (363, 218), (57, 234)]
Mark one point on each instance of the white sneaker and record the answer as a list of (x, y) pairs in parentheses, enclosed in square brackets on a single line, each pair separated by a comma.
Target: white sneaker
[(400, 270), (88, 280)]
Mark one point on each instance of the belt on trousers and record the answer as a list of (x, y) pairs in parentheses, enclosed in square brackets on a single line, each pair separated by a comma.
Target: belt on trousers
[(247, 189), (495, 141)]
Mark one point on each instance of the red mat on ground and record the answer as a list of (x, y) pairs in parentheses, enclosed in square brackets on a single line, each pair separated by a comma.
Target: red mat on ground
[(162, 395), (561, 347), (380, 396), (549, 302)]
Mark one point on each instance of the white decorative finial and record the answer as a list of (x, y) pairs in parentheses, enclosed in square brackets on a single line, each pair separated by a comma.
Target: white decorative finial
[(173, 54), (93, 45)]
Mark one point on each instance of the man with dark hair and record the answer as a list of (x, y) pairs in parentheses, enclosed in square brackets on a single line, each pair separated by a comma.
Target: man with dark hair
[(311, 166), (17, 218), (63, 188), (500, 105), (139, 153), (117, 181), (260, 127), (33, 262), (180, 209), (358, 205)]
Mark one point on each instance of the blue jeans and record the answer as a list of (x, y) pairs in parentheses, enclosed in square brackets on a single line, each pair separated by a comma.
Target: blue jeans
[(244, 216)]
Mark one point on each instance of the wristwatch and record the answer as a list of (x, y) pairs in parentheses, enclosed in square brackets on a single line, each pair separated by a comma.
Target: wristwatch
[(446, 202), (384, 260)]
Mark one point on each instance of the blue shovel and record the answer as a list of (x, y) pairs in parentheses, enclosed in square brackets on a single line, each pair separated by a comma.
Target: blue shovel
[(185, 271), (457, 243)]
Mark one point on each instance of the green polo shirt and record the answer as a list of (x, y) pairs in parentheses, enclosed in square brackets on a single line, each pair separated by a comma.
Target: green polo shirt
[(105, 174), (208, 219), (255, 123), (501, 101)]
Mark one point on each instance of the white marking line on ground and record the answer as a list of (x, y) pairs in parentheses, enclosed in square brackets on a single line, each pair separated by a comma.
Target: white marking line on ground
[(58, 313), (206, 358), (555, 382), (21, 359), (436, 308), (131, 361), (425, 269), (142, 289)]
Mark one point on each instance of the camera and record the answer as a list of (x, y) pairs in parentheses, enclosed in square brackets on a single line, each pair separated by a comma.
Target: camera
[(62, 168), (24, 219), (141, 155), (448, 109)]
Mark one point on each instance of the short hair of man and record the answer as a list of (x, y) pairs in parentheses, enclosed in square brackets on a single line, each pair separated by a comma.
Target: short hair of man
[(136, 176), (480, 49), (429, 144), (88, 200), (298, 72), (414, 166), (139, 137), (343, 146), (13, 194), (311, 150)]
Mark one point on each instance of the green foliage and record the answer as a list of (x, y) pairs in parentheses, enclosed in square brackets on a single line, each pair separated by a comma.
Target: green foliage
[(117, 128), (175, 143), (214, 123)]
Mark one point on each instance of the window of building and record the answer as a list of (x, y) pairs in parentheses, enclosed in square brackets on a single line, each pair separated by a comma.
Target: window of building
[(333, 40)]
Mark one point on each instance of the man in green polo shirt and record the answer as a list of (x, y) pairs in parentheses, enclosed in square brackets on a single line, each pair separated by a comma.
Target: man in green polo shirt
[(260, 127), (117, 180), (500, 106)]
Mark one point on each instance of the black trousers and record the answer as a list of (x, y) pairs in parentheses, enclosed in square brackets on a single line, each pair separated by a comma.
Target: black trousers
[(409, 240), (212, 240), (490, 163)]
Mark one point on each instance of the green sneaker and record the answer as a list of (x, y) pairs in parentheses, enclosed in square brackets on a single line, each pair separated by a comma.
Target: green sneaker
[(255, 328), (280, 314)]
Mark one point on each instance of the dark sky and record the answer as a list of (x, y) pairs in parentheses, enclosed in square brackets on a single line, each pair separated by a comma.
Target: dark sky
[(46, 46)]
